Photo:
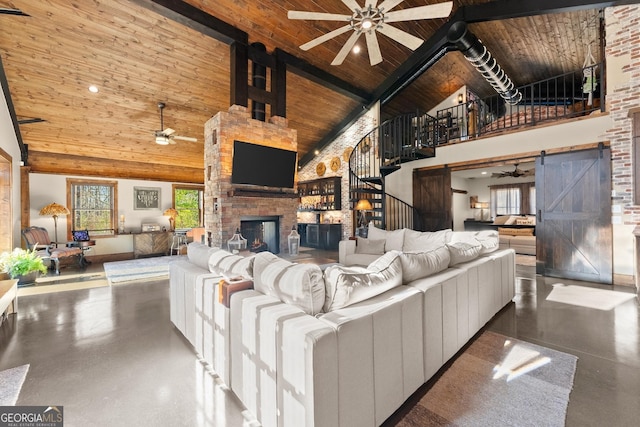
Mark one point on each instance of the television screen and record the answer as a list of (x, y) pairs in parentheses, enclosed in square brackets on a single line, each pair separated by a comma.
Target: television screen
[(261, 165)]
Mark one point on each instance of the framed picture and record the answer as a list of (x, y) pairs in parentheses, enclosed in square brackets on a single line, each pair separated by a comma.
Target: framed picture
[(146, 197)]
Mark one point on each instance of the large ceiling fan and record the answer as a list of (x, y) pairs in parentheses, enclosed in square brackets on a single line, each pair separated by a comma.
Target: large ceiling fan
[(368, 20), (167, 136), (516, 173)]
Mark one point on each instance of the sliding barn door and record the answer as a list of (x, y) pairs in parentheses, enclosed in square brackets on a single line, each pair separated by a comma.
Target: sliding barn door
[(573, 199), (432, 199)]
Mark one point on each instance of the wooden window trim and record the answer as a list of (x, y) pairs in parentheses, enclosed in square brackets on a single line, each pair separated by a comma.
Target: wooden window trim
[(114, 214)]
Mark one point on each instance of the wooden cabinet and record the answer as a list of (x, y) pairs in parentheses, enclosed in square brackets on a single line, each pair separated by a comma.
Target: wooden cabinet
[(323, 236), (320, 195), (151, 244)]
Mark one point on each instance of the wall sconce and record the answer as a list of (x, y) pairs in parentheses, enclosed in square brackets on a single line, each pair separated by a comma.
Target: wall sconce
[(460, 98)]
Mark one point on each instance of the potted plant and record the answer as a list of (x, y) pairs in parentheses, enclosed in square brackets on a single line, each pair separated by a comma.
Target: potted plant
[(22, 264)]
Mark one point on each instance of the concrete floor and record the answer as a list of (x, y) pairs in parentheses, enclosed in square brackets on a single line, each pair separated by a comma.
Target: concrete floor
[(111, 356)]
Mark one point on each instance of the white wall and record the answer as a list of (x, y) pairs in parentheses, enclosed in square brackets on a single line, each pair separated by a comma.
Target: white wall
[(47, 188), (9, 143)]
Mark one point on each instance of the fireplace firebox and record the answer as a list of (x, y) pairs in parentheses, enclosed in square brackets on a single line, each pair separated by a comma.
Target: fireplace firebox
[(262, 233)]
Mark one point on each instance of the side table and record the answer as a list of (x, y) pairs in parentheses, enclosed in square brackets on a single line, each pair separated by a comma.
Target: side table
[(84, 246)]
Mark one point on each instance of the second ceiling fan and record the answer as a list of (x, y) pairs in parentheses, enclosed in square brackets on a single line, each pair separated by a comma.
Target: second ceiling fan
[(370, 19), (167, 136)]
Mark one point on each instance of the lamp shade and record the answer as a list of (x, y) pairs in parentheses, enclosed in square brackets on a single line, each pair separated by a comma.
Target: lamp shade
[(54, 209), (171, 212), (363, 205)]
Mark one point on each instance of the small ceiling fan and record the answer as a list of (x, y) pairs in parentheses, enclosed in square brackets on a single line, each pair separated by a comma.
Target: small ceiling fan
[(368, 20), (516, 173), (167, 136)]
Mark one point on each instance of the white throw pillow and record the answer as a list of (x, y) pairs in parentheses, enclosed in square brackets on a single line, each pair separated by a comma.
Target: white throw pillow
[(301, 285), (416, 265), (369, 246), (489, 240), (394, 239), (463, 252), (420, 241), (348, 285), (230, 265)]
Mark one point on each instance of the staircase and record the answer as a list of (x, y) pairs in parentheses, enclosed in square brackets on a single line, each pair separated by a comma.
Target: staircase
[(399, 140)]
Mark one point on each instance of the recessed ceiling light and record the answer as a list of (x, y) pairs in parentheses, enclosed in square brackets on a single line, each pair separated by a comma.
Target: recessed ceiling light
[(484, 172), (356, 49), (93, 89), (316, 152)]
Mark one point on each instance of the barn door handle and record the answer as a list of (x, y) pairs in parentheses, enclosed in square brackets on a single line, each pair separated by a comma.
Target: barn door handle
[(539, 214)]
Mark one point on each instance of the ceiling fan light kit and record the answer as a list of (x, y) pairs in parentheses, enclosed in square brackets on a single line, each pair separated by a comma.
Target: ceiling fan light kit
[(370, 19)]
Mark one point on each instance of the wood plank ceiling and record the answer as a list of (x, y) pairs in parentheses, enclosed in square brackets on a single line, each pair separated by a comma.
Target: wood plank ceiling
[(137, 57)]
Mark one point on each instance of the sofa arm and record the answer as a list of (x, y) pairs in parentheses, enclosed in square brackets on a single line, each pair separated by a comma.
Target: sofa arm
[(345, 247)]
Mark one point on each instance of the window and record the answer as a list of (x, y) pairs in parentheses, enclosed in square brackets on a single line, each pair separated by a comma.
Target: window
[(513, 199), (93, 206), (189, 202)]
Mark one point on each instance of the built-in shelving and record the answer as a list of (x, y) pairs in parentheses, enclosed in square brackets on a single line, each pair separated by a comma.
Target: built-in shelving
[(320, 195)]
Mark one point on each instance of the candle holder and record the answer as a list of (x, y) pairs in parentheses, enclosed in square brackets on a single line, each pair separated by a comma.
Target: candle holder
[(121, 229)]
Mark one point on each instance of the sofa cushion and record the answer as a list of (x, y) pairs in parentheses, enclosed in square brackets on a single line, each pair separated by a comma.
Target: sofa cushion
[(198, 254), (416, 265), (425, 240), (394, 240), (231, 265), (463, 252), (370, 246), (301, 285), (516, 231), (349, 285)]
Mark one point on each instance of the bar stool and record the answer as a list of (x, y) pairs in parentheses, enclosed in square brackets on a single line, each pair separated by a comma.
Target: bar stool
[(178, 241)]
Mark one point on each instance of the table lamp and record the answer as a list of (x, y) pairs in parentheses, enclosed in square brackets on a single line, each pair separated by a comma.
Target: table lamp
[(172, 214)]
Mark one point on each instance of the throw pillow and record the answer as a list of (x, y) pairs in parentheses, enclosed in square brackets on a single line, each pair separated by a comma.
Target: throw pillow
[(393, 239), (301, 285), (348, 285), (489, 241), (416, 241), (416, 265), (369, 246), (463, 251)]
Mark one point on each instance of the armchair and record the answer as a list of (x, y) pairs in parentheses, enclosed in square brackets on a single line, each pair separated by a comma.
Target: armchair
[(38, 237)]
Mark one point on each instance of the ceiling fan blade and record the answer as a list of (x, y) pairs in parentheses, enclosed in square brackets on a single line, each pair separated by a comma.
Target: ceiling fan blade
[(412, 42), (375, 57), (317, 16), (346, 48), (387, 5), (8, 11), (185, 138), (168, 131), (440, 10), (351, 4), (315, 42)]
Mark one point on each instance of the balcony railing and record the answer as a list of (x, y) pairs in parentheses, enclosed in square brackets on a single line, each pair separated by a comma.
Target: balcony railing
[(565, 96)]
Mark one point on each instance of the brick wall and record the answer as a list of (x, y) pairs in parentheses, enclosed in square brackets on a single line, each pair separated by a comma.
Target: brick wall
[(348, 139), (220, 132), (623, 94)]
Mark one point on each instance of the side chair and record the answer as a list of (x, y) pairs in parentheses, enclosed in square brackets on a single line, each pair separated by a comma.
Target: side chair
[(38, 238)]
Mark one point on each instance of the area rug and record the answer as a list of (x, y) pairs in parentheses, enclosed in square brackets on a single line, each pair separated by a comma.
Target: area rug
[(139, 269), (600, 299), (498, 381), (11, 381), (49, 287)]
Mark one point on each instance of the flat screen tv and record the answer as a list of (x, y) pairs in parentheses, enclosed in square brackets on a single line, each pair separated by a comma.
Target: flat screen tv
[(263, 166)]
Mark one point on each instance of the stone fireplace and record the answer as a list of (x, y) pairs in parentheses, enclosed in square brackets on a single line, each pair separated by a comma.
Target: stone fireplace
[(266, 211)]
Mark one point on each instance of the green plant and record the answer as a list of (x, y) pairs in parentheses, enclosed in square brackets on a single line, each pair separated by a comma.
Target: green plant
[(20, 262)]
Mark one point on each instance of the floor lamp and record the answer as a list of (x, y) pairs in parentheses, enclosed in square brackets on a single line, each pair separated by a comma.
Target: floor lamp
[(54, 209), (362, 207)]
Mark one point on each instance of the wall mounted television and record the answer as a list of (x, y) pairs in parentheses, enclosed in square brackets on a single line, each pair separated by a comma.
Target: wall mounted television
[(260, 165)]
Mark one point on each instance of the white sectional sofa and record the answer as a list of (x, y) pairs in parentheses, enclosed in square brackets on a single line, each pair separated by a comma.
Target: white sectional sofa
[(348, 345)]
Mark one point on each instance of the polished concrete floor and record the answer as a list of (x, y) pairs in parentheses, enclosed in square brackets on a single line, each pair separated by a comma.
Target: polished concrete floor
[(111, 356)]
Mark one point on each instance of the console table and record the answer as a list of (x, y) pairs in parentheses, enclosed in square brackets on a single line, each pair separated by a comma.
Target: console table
[(151, 243)]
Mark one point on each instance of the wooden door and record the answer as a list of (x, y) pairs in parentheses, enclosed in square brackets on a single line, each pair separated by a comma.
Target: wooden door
[(573, 199), (6, 207), (432, 199)]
